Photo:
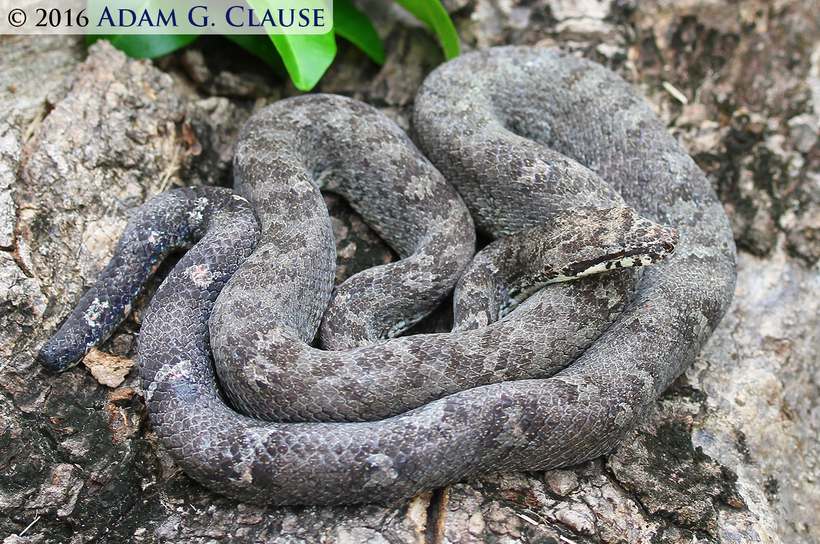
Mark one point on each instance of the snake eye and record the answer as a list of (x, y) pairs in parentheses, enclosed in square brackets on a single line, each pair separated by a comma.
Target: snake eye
[(615, 251)]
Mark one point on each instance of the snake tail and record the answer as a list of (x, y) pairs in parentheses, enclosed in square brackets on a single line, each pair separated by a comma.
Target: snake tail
[(170, 221)]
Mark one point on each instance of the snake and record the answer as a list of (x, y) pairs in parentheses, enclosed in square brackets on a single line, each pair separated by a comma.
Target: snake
[(553, 155)]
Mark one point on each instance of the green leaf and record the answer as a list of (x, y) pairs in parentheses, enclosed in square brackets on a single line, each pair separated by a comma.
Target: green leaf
[(306, 56), (142, 46), (433, 14), (261, 46), (354, 26)]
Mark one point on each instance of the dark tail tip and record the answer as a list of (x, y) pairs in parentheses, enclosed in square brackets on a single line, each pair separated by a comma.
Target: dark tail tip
[(55, 357)]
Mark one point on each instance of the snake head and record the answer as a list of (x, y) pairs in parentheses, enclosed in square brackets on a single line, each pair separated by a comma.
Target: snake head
[(612, 239)]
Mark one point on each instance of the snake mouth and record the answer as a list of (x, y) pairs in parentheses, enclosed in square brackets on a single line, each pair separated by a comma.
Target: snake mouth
[(618, 259)]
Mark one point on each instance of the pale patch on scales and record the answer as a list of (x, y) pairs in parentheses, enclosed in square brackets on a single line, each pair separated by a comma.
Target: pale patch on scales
[(196, 213), (201, 275), (95, 311)]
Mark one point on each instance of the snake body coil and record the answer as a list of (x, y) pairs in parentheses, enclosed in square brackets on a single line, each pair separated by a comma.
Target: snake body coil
[(497, 396)]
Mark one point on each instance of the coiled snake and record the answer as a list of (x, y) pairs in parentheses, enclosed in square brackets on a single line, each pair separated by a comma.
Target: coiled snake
[(428, 410)]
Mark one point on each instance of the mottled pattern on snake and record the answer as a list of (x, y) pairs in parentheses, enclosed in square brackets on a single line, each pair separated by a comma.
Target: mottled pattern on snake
[(581, 109)]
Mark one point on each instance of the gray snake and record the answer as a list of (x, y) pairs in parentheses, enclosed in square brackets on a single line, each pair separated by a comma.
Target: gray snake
[(496, 396)]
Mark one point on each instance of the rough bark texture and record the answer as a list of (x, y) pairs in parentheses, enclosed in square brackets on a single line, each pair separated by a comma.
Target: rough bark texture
[(730, 453)]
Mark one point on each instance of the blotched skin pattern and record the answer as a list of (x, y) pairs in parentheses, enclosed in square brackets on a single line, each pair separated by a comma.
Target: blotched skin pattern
[(277, 375), (529, 424)]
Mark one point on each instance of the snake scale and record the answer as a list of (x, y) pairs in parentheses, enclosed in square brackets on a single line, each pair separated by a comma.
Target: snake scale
[(529, 136)]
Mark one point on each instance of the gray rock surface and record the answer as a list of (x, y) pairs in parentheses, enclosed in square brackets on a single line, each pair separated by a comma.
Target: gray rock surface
[(729, 454)]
